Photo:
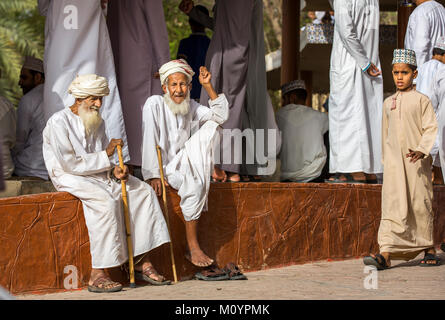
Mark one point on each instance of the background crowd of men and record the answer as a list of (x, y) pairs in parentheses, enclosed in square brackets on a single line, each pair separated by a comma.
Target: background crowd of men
[(352, 152)]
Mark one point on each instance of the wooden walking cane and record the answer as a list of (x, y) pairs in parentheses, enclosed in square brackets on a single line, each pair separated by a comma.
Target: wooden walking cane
[(164, 198), (127, 221)]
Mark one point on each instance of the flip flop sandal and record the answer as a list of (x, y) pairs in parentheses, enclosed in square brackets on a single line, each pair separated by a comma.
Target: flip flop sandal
[(442, 247), (212, 274), (234, 272), (147, 272), (429, 257), (99, 285), (371, 261)]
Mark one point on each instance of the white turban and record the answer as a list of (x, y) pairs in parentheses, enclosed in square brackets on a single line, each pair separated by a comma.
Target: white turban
[(89, 85), (175, 66)]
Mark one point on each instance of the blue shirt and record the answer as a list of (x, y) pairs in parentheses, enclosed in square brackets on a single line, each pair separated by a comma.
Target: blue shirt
[(194, 49)]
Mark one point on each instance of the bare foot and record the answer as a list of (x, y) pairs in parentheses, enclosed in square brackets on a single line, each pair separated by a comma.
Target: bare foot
[(199, 258), (219, 175)]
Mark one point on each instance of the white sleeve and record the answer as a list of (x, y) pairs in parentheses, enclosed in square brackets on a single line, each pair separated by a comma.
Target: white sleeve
[(150, 132), (217, 111), (65, 154), (438, 89), (348, 34), (417, 37)]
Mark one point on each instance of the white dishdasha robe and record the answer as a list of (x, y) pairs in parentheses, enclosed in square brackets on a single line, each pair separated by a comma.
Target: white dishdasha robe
[(80, 165), (187, 143)]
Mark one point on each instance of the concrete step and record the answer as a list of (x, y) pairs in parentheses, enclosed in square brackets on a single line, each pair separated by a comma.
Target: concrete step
[(15, 188)]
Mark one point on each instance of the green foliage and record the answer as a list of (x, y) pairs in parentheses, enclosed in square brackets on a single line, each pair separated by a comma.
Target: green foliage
[(21, 34)]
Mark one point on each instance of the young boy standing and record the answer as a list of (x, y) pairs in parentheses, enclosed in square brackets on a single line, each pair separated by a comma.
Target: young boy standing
[(408, 133)]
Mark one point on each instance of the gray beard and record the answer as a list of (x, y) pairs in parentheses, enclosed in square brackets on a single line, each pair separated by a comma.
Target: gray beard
[(182, 108), (91, 119)]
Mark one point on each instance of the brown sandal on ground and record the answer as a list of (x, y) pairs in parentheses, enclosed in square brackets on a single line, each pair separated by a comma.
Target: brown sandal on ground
[(234, 272), (100, 285), (147, 272), (212, 273)]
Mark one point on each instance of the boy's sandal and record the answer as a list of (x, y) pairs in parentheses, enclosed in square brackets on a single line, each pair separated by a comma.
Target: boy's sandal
[(430, 257), (379, 261), (100, 285)]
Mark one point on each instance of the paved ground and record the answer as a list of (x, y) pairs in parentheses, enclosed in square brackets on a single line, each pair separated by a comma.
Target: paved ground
[(321, 280)]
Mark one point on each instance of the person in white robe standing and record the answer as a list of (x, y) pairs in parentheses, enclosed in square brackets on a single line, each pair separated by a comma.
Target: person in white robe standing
[(356, 96), (303, 152), (27, 153), (425, 26), (139, 39), (429, 77), (187, 134), (77, 42), (78, 156)]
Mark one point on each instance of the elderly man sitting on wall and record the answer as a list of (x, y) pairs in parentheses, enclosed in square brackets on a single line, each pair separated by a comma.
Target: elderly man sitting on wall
[(170, 121), (78, 156)]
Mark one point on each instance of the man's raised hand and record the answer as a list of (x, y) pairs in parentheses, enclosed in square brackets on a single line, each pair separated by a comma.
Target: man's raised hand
[(204, 76), (112, 146), (204, 79)]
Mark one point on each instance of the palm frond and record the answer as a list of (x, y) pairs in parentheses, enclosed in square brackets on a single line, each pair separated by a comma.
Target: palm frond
[(21, 34)]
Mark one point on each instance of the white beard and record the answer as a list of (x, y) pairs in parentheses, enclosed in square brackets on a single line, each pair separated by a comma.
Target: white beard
[(182, 108), (91, 119)]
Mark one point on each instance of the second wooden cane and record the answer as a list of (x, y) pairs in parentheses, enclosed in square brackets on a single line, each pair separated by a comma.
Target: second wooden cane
[(164, 199), (127, 221)]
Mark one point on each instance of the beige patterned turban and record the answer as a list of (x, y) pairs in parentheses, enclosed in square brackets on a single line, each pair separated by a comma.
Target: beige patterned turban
[(89, 85), (174, 66)]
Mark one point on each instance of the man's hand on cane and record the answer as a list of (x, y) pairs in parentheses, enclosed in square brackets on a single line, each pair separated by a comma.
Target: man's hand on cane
[(156, 184), (121, 174), (112, 146)]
